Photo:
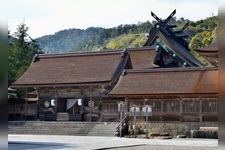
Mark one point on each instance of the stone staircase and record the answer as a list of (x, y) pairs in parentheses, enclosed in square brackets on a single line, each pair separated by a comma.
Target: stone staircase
[(62, 128)]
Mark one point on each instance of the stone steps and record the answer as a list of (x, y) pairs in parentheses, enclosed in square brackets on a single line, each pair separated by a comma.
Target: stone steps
[(104, 130), (62, 128)]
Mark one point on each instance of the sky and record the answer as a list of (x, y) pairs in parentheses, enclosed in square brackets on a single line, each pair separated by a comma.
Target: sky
[(44, 17)]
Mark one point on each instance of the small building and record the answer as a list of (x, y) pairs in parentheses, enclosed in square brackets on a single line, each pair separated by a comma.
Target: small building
[(14, 104), (22, 108)]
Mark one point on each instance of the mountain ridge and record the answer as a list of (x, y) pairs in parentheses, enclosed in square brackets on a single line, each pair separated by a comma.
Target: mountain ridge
[(97, 38)]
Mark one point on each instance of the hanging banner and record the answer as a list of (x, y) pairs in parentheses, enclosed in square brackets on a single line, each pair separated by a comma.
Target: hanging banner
[(52, 102), (80, 102), (70, 103)]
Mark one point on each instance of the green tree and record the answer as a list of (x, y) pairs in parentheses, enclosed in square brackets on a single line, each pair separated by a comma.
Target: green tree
[(21, 51), (127, 40), (201, 40)]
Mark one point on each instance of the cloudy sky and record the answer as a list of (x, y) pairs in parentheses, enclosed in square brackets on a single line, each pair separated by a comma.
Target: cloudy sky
[(45, 17)]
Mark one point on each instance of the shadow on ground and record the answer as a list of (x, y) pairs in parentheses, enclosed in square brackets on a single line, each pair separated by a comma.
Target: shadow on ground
[(35, 145)]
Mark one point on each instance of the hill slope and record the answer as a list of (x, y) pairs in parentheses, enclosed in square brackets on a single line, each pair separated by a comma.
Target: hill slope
[(65, 40), (122, 36)]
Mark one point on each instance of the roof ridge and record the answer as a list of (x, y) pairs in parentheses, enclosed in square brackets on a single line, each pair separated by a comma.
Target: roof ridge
[(141, 48), (110, 52), (175, 69), (92, 53)]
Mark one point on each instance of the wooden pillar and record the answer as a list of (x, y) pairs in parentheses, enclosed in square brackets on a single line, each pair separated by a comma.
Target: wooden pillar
[(14, 111), (200, 109), (126, 106), (162, 106), (162, 110), (25, 104), (181, 110), (37, 105), (56, 101)]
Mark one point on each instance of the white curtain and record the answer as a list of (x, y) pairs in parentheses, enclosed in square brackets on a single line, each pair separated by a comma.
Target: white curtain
[(70, 103)]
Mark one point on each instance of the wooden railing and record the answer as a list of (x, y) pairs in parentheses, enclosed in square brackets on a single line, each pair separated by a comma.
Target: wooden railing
[(121, 122)]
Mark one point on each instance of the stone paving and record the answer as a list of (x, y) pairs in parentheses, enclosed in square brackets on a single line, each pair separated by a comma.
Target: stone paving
[(164, 147), (50, 142)]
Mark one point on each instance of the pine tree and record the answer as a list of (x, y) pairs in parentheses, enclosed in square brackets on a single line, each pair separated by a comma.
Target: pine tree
[(21, 52)]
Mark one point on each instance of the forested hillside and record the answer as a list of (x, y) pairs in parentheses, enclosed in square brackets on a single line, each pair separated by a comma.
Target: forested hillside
[(122, 36), (93, 38), (65, 40)]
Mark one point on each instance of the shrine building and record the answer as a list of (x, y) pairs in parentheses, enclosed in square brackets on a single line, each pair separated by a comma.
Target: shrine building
[(163, 73)]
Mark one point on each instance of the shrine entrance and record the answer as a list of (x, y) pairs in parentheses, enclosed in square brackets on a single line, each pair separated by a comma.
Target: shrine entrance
[(68, 109), (61, 105)]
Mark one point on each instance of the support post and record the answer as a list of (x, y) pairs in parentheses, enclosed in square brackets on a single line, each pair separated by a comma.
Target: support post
[(26, 106), (121, 110), (181, 110), (146, 111), (162, 103), (91, 115), (135, 125), (200, 116), (121, 117), (25, 109), (146, 126)]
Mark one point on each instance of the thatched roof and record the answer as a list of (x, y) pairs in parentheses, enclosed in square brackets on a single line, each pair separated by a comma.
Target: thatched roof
[(167, 81), (142, 58), (73, 69)]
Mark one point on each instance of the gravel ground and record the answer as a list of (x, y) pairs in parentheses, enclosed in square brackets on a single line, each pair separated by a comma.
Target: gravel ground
[(51, 142)]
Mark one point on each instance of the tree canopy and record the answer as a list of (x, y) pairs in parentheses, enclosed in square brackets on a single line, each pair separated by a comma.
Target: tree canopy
[(22, 48)]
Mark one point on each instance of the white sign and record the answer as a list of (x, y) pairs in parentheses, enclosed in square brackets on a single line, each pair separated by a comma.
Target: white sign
[(135, 111), (146, 110), (121, 107)]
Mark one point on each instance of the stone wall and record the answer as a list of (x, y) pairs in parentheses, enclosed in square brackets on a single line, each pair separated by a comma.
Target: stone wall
[(175, 128)]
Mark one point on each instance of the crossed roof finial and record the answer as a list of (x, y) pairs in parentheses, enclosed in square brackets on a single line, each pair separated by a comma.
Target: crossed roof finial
[(164, 22)]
